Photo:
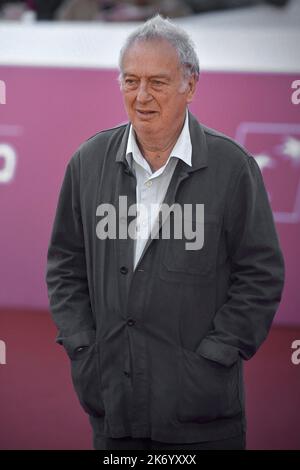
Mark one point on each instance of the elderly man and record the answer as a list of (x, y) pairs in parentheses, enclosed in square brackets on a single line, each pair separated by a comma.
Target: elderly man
[(157, 333)]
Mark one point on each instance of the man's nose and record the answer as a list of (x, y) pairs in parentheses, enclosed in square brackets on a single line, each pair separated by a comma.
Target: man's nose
[(143, 94)]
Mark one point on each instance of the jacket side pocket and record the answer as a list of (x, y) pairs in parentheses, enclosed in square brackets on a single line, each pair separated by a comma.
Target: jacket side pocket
[(86, 380), (82, 349), (208, 390)]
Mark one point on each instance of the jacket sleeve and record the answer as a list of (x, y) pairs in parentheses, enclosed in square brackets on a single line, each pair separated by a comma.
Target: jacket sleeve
[(66, 273), (257, 272)]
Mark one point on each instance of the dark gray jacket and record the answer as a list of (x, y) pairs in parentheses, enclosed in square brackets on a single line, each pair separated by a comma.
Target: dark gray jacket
[(161, 349)]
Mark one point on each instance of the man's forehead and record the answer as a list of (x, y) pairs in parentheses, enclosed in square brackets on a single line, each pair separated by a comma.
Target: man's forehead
[(151, 62), (154, 50)]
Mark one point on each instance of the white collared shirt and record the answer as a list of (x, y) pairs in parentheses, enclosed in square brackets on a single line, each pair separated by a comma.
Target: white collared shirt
[(151, 186)]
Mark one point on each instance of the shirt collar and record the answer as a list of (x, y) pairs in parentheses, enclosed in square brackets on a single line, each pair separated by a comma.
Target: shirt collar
[(182, 148)]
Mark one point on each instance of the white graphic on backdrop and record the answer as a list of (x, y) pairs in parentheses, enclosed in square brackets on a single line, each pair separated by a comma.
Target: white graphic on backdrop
[(2, 92), (287, 150), (2, 352), (264, 161), (291, 148), (8, 154)]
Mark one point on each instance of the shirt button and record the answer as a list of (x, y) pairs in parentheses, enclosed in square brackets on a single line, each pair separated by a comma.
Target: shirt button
[(148, 184), (130, 322), (123, 270)]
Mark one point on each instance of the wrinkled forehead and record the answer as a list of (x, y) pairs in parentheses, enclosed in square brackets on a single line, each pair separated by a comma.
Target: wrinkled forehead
[(150, 57)]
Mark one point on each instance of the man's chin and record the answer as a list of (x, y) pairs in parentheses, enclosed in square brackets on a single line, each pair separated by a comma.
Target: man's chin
[(145, 126)]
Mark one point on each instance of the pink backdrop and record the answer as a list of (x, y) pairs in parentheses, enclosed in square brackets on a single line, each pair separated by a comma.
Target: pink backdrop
[(50, 111)]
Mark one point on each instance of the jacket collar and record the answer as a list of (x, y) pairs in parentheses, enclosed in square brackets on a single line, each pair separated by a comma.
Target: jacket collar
[(199, 147)]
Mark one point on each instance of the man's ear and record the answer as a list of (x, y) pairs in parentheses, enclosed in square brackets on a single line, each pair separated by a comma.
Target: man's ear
[(191, 88)]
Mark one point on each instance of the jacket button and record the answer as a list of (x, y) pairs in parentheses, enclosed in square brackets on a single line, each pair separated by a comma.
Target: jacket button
[(126, 373), (123, 270), (130, 322)]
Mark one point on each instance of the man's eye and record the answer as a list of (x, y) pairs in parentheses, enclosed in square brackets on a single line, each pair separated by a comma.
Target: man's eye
[(130, 82), (157, 83)]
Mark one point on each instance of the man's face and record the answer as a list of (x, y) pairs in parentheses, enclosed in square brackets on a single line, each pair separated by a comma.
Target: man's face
[(154, 89)]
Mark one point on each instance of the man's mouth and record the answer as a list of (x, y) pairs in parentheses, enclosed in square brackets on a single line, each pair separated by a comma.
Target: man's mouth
[(145, 113)]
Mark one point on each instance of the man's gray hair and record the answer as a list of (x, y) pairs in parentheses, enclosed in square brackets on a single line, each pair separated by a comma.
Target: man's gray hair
[(161, 28)]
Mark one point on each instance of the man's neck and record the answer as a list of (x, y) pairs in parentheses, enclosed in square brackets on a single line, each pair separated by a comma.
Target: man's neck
[(156, 155), (157, 150)]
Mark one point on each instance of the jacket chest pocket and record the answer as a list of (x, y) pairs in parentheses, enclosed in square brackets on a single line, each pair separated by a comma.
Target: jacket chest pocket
[(189, 258)]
